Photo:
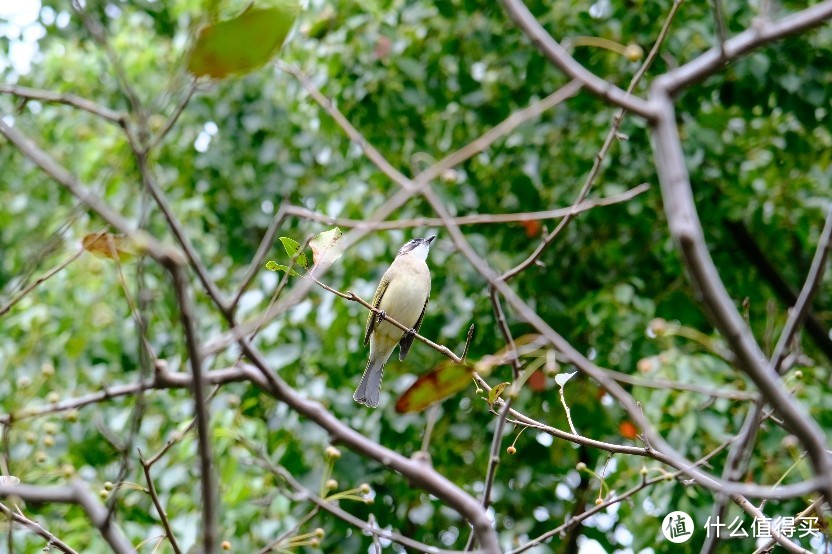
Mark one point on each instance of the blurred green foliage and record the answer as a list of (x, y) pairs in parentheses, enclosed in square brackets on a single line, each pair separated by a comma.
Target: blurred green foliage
[(418, 79)]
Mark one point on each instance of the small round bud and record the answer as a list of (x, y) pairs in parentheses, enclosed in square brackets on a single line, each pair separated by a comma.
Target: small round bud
[(315, 542), (23, 382), (103, 494), (225, 545), (53, 397), (643, 471), (668, 477), (646, 365), (30, 438), (633, 52), (47, 369), (798, 374), (599, 501), (67, 470), (319, 533), (449, 176), (108, 486), (789, 442), (50, 428), (657, 327), (580, 466), (331, 484), (41, 457), (364, 488), (48, 441), (71, 416), (511, 450), (332, 452), (368, 500)]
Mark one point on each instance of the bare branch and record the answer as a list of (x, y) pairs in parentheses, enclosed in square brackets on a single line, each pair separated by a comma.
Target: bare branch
[(760, 33), (709, 481), (57, 172), (163, 516), (174, 117), (256, 264), (687, 232), (602, 153), (559, 57), (333, 508), (40, 280), (17, 516), (89, 106), (571, 522), (369, 150), (804, 301), (475, 219), (209, 490), (74, 493), (178, 231), (419, 473)]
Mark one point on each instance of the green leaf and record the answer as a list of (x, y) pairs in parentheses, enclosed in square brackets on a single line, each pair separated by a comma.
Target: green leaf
[(273, 266), (292, 248), (446, 379), (495, 392), (244, 43)]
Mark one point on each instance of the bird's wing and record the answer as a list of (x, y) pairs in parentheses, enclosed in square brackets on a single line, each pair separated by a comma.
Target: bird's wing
[(371, 318), (407, 339)]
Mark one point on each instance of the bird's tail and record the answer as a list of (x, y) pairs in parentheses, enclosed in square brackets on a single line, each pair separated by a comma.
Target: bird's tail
[(370, 386)]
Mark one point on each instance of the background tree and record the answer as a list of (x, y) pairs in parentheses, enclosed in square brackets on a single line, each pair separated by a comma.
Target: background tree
[(171, 394)]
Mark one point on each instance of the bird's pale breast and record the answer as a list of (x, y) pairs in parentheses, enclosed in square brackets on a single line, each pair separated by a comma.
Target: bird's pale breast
[(405, 295)]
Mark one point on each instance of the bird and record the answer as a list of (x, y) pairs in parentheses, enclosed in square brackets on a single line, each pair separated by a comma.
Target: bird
[(403, 295)]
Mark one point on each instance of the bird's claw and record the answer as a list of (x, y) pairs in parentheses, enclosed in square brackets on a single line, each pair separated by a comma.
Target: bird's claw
[(410, 333), (381, 316)]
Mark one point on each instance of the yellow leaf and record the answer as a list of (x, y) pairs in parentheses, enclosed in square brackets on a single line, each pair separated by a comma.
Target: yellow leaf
[(446, 379), (108, 245)]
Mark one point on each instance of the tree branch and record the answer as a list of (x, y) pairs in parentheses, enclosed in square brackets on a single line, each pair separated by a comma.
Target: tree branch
[(558, 56), (687, 232), (74, 493), (89, 106), (760, 33)]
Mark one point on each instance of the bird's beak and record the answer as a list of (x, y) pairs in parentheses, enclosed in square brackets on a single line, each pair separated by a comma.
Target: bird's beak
[(430, 239)]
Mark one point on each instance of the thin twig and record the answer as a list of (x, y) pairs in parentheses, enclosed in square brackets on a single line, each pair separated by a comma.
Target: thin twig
[(475, 219), (289, 532), (558, 55), (333, 508), (174, 117), (89, 106), (602, 153), (163, 516), (256, 263), (804, 300), (721, 27), (705, 479), (74, 493), (40, 280), (17, 516), (757, 35)]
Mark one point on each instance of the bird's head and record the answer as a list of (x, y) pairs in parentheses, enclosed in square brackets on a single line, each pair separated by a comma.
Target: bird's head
[(417, 247)]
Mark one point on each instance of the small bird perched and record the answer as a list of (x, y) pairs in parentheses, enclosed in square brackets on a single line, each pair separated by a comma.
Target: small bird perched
[(402, 295)]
